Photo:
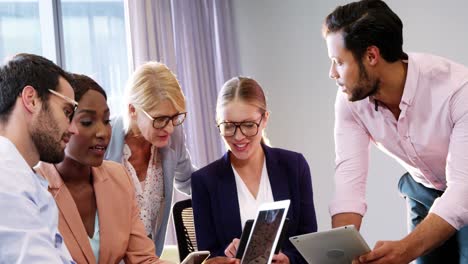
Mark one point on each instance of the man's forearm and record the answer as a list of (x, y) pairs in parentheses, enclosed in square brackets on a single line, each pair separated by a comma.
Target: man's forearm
[(347, 219), (428, 235)]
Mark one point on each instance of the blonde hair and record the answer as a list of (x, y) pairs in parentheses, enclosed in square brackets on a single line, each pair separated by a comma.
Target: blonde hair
[(245, 90), (150, 84)]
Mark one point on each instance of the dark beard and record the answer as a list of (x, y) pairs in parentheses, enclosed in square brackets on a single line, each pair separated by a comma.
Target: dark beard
[(48, 148), (361, 90)]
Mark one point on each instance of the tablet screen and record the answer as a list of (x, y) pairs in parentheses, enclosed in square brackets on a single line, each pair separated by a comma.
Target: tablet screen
[(263, 236)]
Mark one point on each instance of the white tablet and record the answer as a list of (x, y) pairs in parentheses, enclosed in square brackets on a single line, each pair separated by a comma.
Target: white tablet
[(265, 233), (338, 245)]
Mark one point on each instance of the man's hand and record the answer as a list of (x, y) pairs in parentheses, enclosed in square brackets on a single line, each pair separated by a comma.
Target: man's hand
[(388, 252), (429, 234), (280, 258), (231, 250), (344, 219)]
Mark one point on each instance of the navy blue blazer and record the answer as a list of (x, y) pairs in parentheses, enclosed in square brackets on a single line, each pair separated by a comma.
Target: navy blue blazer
[(216, 207)]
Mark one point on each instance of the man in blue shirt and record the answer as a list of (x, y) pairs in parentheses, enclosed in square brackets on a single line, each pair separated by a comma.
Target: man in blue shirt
[(36, 106)]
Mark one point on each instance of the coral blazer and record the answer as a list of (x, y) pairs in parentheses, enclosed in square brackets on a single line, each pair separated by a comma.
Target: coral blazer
[(122, 234)]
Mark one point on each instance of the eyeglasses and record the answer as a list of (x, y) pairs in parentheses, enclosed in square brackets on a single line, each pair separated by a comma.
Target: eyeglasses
[(69, 113), (162, 121), (247, 128)]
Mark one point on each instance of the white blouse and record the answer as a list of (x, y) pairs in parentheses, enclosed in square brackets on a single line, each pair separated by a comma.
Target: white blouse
[(95, 240), (150, 192), (248, 204)]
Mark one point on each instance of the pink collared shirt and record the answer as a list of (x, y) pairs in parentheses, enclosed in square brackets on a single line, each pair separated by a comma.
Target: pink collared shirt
[(429, 139)]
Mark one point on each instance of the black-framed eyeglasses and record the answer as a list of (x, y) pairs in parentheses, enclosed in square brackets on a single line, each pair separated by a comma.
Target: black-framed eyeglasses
[(160, 122), (247, 128), (69, 112)]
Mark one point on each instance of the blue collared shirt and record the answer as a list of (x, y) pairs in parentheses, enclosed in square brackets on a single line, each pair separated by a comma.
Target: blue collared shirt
[(29, 224)]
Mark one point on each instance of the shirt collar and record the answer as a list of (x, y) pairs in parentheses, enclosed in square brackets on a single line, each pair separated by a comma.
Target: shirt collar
[(411, 82), (13, 154)]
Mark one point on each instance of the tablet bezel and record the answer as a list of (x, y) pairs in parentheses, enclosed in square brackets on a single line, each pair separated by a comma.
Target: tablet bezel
[(278, 205), (243, 238), (204, 254)]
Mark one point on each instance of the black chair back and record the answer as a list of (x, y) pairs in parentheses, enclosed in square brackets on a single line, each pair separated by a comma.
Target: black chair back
[(184, 227)]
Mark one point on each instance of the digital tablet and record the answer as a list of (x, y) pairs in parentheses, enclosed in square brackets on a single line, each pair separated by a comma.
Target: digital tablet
[(265, 233), (244, 237), (283, 236), (246, 233), (338, 245), (196, 257)]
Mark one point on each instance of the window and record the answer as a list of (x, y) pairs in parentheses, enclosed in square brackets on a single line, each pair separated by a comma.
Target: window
[(94, 43), (19, 28), (82, 36)]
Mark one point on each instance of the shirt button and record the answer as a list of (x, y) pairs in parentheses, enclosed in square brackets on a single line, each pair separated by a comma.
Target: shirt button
[(58, 240)]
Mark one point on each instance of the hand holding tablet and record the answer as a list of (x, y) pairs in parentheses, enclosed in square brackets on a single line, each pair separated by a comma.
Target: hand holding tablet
[(196, 257), (338, 245), (265, 234)]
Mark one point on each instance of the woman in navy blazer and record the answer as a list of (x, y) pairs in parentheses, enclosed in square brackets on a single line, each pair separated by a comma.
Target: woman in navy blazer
[(216, 198)]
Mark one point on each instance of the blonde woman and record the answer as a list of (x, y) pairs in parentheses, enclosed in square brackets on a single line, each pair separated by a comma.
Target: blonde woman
[(149, 141), (228, 192)]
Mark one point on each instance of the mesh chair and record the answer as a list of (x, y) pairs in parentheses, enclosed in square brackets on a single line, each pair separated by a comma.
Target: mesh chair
[(184, 227)]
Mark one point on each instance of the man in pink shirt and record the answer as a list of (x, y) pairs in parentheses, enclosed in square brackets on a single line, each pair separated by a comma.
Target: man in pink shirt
[(413, 107)]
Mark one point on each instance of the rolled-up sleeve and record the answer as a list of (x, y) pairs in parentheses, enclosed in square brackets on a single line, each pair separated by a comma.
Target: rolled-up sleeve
[(351, 161), (452, 206)]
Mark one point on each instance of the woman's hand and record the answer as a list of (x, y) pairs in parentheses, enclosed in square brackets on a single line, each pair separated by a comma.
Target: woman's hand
[(280, 259), (231, 250), (222, 260)]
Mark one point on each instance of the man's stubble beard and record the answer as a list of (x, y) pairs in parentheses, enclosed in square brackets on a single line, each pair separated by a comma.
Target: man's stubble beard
[(46, 137)]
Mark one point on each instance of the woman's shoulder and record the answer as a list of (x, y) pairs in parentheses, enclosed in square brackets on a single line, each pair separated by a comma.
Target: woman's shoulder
[(212, 168), (50, 173), (115, 146), (177, 137), (113, 166), (117, 120), (118, 130), (42, 167), (281, 153), (115, 171)]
